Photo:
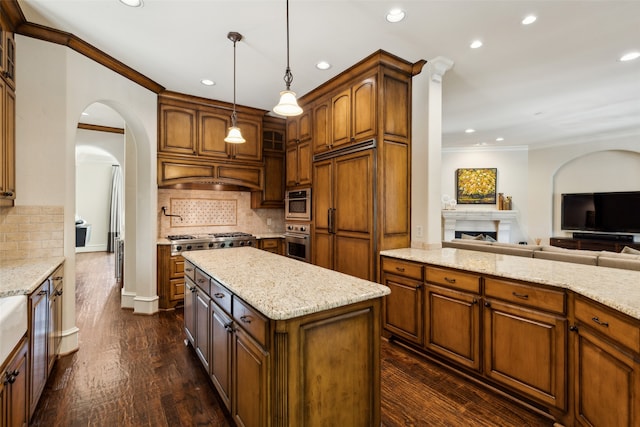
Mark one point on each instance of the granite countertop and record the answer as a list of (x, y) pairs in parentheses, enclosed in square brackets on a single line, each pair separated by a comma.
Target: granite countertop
[(613, 287), (280, 287), (22, 277)]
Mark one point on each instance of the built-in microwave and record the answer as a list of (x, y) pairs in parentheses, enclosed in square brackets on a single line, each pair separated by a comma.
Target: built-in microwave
[(297, 205)]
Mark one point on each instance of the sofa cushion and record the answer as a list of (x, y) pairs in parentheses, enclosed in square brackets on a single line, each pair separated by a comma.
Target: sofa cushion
[(619, 255), (628, 250), (570, 255), (618, 262)]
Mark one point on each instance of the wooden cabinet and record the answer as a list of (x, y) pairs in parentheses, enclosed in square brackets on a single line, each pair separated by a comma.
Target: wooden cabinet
[(14, 383), (343, 200), (191, 147), (354, 113), (190, 309), (202, 315), (322, 126), (273, 141), (525, 338), (38, 340), (56, 283), (298, 164), (402, 310), (452, 316), (606, 363), (170, 278), (592, 244), (7, 115), (221, 352), (274, 245)]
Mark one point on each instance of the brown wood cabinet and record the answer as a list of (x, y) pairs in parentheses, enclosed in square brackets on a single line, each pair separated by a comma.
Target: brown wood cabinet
[(56, 282), (170, 278), (274, 245), (14, 383), (38, 343), (361, 204), (591, 244), (191, 147), (280, 367), (7, 115), (298, 164), (606, 363), (273, 142)]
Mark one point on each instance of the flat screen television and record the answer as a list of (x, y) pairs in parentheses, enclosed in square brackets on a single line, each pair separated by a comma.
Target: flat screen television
[(611, 212)]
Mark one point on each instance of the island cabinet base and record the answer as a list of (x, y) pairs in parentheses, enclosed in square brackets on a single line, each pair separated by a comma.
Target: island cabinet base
[(327, 368)]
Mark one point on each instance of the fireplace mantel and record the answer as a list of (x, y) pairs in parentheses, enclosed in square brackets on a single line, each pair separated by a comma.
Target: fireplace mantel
[(482, 220)]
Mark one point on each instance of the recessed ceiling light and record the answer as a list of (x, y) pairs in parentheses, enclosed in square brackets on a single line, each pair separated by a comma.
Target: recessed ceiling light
[(469, 130), (132, 3), (529, 19), (84, 113), (499, 139), (323, 65), (630, 56), (395, 15), (475, 44), (207, 82)]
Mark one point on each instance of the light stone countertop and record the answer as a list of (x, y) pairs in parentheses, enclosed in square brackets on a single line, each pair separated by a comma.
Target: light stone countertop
[(280, 287), (613, 287), (22, 277)]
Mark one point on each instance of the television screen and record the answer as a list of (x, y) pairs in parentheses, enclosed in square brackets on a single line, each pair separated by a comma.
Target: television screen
[(614, 212)]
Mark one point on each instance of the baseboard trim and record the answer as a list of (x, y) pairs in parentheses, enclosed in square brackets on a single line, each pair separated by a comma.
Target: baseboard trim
[(127, 299), (145, 305)]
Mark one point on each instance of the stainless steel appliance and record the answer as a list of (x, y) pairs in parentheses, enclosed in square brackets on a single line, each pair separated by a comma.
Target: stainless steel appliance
[(187, 242), (119, 262), (297, 205), (297, 241)]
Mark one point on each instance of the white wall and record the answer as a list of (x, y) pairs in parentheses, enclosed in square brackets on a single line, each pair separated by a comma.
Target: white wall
[(54, 86)]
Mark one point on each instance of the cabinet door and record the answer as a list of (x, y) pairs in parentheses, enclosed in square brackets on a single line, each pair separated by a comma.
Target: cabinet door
[(38, 340), (13, 390), (606, 383), (202, 327), (322, 241), (291, 163), (177, 129), (321, 128), (526, 350), (403, 308), (304, 163), (221, 348), (363, 116), (272, 196), (250, 381), (212, 130), (452, 325), (305, 125), (251, 150), (9, 137), (292, 131), (190, 311), (341, 118)]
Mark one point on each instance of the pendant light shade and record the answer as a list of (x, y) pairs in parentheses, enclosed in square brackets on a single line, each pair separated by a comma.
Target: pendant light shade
[(288, 105), (234, 136)]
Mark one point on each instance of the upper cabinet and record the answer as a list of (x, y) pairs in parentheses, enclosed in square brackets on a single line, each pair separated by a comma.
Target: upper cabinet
[(273, 141), (353, 113), (7, 115), (191, 146)]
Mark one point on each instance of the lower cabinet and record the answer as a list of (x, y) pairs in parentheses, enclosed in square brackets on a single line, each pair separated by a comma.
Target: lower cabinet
[(606, 360), (38, 343), (170, 273), (250, 365), (274, 245), (190, 295), (221, 353), (14, 383), (55, 315)]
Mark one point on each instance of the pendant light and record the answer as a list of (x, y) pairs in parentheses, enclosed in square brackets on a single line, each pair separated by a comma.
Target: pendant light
[(288, 105), (234, 136)]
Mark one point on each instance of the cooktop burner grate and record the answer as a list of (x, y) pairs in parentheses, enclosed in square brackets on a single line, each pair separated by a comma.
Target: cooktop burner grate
[(180, 237)]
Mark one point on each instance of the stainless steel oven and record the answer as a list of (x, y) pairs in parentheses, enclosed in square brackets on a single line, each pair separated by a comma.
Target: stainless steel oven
[(297, 205), (297, 241)]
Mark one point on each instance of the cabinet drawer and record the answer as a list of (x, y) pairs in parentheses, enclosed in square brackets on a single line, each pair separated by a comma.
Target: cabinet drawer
[(250, 320), (269, 244), (613, 326), (453, 279), (221, 295), (176, 266), (202, 280), (190, 270), (544, 299), (403, 268), (176, 289)]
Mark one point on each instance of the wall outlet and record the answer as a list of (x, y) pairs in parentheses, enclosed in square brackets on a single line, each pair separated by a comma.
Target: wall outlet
[(268, 221), (419, 231)]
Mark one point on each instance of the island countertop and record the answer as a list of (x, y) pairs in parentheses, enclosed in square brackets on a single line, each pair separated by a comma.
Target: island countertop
[(22, 277), (616, 288), (280, 287)]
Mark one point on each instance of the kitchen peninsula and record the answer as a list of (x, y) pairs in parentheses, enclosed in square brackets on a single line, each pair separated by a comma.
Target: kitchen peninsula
[(285, 342)]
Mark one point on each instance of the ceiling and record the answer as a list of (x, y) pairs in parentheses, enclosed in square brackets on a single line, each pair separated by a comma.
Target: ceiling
[(556, 81)]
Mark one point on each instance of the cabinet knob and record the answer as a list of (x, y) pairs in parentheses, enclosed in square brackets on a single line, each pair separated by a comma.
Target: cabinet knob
[(573, 328), (474, 301), (487, 304)]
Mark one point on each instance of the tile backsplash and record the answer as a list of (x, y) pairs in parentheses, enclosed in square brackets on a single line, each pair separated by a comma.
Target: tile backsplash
[(28, 232), (208, 211)]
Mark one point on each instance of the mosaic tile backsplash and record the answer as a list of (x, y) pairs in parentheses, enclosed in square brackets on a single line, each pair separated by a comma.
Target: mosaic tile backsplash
[(208, 211)]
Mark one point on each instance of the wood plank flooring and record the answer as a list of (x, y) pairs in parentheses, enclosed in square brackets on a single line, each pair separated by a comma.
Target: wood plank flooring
[(134, 370)]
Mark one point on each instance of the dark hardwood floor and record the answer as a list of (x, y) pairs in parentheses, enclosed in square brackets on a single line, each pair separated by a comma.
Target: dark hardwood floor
[(134, 370)]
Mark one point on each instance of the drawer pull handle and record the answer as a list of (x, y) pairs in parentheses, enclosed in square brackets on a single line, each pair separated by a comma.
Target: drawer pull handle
[(201, 280), (189, 269), (521, 296), (448, 280), (246, 318), (400, 269), (57, 278), (218, 295), (600, 322)]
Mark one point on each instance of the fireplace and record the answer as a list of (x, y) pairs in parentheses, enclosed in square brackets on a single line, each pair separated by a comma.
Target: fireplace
[(492, 222), (492, 234)]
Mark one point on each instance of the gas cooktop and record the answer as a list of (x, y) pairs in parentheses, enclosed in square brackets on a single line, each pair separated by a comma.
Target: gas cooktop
[(193, 242)]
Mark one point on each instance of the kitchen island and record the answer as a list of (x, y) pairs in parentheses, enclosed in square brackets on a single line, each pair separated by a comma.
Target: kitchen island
[(285, 343)]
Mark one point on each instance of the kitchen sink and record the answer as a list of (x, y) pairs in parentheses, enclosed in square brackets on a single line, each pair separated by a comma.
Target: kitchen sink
[(13, 323)]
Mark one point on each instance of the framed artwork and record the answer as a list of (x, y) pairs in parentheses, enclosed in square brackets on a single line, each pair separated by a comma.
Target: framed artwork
[(476, 186)]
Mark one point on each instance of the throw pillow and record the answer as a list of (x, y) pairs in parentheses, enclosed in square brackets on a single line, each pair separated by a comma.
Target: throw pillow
[(628, 250), (470, 237)]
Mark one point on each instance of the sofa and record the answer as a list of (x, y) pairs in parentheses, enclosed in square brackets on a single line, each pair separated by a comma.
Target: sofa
[(628, 259)]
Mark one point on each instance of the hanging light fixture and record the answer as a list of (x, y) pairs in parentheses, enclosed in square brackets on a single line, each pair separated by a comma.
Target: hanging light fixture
[(234, 136), (288, 105)]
